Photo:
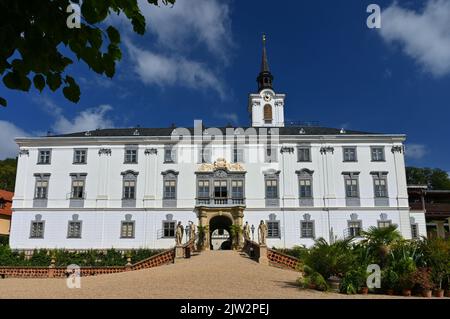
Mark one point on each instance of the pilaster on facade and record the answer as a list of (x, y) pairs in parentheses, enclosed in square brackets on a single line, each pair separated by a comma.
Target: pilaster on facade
[(151, 167)]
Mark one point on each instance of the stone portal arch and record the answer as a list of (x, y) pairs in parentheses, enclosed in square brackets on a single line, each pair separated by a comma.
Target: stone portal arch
[(211, 219), (220, 227)]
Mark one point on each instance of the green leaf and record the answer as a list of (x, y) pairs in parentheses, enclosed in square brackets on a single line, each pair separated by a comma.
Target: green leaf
[(113, 34), (72, 90), (54, 81), (39, 82), (17, 81), (3, 102)]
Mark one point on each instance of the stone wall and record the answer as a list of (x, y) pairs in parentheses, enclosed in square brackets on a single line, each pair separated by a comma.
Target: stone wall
[(274, 257)]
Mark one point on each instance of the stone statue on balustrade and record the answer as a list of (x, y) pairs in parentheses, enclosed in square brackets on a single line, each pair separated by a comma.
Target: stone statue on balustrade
[(179, 234), (262, 233), (192, 229), (247, 231)]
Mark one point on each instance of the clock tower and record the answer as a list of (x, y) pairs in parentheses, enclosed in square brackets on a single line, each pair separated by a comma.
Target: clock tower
[(266, 107)]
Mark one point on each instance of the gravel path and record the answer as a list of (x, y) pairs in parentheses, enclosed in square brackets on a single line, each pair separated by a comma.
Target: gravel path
[(210, 275)]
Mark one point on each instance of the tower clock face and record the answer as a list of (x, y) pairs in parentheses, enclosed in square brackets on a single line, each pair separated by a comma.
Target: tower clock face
[(267, 97)]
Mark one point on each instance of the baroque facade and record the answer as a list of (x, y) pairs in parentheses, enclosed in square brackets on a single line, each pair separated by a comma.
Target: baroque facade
[(129, 188)]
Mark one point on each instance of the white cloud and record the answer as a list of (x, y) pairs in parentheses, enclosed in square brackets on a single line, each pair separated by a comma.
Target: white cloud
[(415, 151), (423, 36), (162, 70), (232, 117), (8, 148), (189, 23), (86, 120)]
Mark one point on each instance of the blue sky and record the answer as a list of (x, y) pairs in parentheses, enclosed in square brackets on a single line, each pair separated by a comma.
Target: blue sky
[(200, 59)]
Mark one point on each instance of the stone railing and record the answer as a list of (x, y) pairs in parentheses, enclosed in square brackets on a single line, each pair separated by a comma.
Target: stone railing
[(164, 258), (269, 256), (279, 259)]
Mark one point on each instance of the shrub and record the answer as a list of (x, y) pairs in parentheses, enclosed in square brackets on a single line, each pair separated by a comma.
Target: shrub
[(422, 278), (331, 260), (312, 280)]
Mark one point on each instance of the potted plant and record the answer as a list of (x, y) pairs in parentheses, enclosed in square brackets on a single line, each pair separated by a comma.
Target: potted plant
[(236, 231), (422, 278), (406, 282), (389, 281), (436, 254)]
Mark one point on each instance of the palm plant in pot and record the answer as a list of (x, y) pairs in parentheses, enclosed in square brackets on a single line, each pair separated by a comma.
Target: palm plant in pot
[(380, 240), (422, 279), (402, 260), (436, 255), (389, 280)]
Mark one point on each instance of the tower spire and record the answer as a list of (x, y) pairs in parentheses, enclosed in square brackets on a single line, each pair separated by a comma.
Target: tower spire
[(264, 78)]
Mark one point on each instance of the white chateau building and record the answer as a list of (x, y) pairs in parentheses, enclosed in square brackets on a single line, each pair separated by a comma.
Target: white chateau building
[(127, 188)]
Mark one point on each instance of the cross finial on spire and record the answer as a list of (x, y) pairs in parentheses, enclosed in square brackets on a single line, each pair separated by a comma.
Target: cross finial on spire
[(264, 39)]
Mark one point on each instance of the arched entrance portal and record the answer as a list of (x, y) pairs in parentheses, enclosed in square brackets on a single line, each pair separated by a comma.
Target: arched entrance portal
[(220, 233)]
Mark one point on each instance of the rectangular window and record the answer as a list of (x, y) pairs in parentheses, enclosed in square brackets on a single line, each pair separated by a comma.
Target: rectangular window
[(271, 188), (169, 154), (380, 187), (74, 229), (203, 189), (41, 189), (354, 228), (169, 229), (384, 223), (270, 155), (130, 156), (37, 229), (205, 155), (349, 154), (273, 229), (77, 189), (237, 189), (220, 189), (80, 156), (44, 156), (129, 189), (304, 154), (127, 230), (238, 155), (305, 188), (414, 231), (170, 189), (351, 187), (377, 154), (307, 229)]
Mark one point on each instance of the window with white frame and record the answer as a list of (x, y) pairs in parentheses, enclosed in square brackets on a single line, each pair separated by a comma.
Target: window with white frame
[(304, 154), (131, 155), (380, 185), (127, 227), (271, 188), (349, 154), (129, 185), (384, 223), (237, 189), (377, 154), (307, 227), (170, 185), (80, 156), (169, 227), (273, 227), (204, 155), (354, 228), (220, 189), (44, 156), (203, 189), (78, 185), (41, 188), (74, 227), (37, 227), (169, 154), (238, 154), (351, 185), (414, 231), (270, 154)]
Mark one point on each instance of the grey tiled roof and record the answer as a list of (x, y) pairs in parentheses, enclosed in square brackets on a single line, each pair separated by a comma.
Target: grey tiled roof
[(128, 132)]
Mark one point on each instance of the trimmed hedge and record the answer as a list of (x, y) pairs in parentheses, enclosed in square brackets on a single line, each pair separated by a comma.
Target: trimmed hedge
[(63, 258)]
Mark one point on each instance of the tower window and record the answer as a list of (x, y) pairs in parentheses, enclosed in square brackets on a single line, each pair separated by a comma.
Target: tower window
[(268, 113)]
